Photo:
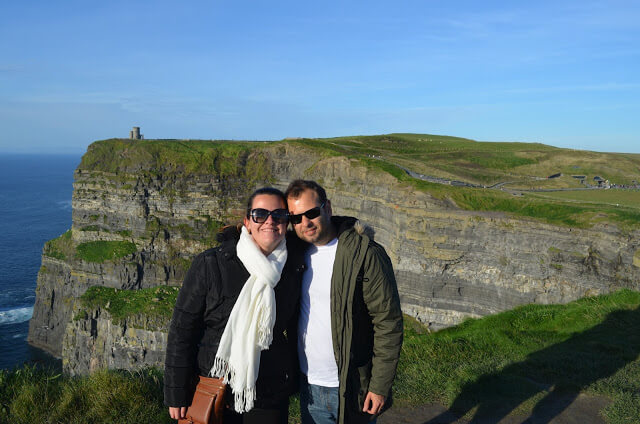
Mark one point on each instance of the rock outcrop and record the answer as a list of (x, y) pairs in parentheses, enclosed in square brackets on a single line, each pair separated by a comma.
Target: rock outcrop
[(449, 263), (94, 341)]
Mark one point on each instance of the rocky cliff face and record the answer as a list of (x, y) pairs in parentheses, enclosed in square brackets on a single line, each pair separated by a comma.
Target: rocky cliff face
[(450, 264), (94, 341)]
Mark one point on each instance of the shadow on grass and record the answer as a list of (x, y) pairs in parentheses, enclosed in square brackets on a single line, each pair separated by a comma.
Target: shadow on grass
[(552, 377)]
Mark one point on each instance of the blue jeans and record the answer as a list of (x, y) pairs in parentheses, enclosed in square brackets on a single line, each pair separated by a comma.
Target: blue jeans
[(319, 404)]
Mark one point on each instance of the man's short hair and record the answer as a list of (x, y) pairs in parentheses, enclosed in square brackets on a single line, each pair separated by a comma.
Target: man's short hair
[(296, 188)]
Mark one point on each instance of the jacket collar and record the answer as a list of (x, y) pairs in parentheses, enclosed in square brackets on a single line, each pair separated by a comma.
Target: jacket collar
[(228, 238), (344, 223)]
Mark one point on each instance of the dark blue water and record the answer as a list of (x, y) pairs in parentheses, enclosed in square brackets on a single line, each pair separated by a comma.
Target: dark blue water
[(35, 206)]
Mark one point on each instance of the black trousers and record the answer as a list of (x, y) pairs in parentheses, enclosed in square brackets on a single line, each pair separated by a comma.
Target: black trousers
[(279, 414)]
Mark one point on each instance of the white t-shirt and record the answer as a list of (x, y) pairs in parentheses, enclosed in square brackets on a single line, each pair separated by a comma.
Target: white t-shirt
[(315, 344)]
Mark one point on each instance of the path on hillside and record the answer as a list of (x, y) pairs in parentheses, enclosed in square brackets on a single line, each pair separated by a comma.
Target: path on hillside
[(496, 186), (584, 409)]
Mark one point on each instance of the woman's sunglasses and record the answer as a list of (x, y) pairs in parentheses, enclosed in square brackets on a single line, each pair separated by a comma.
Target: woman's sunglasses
[(260, 216), (310, 214)]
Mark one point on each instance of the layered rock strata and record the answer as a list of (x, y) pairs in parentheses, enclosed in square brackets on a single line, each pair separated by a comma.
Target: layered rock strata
[(449, 263), (96, 342)]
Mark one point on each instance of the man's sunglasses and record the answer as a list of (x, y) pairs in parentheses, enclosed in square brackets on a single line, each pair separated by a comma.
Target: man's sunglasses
[(310, 214), (260, 216)]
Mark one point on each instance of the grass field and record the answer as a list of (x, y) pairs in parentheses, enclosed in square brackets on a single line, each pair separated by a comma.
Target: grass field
[(510, 361), (612, 197), (489, 162), (30, 395), (515, 359)]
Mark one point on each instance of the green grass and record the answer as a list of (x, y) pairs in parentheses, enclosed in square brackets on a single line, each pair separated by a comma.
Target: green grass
[(508, 361), (60, 247), (100, 251), (95, 228), (531, 205), (222, 159), (611, 197), (504, 362), (30, 395), (485, 162), (154, 304)]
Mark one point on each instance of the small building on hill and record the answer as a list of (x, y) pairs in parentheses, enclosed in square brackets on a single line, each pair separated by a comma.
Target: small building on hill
[(601, 182), (559, 174), (134, 134)]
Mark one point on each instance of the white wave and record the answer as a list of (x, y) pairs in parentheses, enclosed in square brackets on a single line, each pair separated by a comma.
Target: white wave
[(14, 316), (64, 204)]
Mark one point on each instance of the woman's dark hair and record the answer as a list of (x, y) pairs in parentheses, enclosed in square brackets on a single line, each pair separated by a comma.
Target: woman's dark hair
[(296, 188), (265, 190)]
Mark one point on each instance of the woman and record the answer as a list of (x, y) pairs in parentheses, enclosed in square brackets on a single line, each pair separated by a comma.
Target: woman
[(237, 300)]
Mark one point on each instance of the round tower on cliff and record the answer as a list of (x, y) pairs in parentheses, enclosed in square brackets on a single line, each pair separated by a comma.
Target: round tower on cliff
[(134, 134)]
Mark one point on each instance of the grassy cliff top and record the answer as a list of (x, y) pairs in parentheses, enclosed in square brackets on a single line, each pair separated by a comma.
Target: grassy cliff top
[(521, 165), (513, 166), (489, 163), (167, 156)]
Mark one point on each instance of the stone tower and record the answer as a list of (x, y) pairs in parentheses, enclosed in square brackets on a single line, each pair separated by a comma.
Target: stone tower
[(134, 134)]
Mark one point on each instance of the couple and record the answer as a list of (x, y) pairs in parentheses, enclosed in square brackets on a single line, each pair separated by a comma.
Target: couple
[(245, 308)]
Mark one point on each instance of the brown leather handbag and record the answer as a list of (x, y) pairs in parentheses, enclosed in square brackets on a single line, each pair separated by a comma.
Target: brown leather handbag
[(207, 405)]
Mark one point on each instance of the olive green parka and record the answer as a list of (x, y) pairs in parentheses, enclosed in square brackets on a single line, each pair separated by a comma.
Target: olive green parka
[(366, 319)]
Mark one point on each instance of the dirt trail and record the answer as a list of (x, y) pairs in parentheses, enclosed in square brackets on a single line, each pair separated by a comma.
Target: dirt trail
[(584, 409)]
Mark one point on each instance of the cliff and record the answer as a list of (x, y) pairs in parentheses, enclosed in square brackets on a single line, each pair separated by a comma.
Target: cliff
[(142, 209)]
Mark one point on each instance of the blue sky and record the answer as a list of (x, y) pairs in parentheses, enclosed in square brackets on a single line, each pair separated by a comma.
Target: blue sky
[(565, 73)]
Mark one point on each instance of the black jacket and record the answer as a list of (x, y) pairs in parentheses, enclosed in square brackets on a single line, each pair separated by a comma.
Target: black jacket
[(204, 304)]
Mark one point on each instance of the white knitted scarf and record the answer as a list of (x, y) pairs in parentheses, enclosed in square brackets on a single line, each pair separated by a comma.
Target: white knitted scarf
[(250, 327)]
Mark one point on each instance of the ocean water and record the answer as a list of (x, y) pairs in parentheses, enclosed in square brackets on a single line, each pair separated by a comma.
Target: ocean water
[(35, 206)]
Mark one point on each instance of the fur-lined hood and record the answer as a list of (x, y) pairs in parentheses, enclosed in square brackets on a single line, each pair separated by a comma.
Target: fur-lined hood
[(344, 223)]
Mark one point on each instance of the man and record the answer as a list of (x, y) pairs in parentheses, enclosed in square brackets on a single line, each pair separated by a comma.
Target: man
[(350, 328)]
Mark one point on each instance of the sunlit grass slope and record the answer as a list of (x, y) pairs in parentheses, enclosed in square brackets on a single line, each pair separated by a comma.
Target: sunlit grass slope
[(495, 365), (492, 162), (513, 360)]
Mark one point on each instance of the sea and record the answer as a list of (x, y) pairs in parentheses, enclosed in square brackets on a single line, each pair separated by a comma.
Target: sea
[(35, 206)]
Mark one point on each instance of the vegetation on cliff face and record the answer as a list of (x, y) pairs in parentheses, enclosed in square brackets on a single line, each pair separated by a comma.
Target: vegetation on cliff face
[(60, 247), (155, 304), (101, 250)]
